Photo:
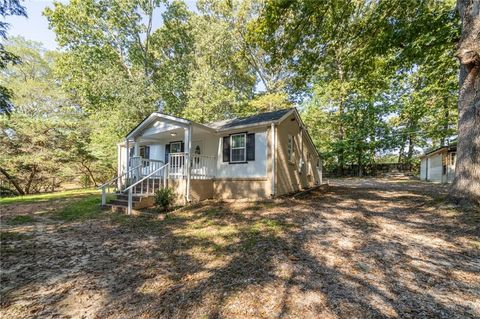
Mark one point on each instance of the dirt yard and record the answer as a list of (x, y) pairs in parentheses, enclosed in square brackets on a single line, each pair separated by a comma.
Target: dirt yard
[(361, 248)]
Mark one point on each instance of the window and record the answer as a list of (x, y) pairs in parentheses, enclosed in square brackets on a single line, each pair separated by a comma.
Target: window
[(291, 149), (175, 147), (145, 152), (238, 152)]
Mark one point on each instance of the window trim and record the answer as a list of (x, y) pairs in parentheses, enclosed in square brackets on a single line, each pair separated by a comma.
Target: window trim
[(176, 142), (244, 148)]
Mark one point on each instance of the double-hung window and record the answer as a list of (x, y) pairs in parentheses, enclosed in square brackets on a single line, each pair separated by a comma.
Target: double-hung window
[(238, 148), (175, 147)]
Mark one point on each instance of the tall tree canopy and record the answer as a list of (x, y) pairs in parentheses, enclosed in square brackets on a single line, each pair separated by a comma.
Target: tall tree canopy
[(7, 8), (380, 74)]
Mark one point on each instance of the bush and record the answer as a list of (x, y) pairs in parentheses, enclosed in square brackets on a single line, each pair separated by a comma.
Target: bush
[(165, 197)]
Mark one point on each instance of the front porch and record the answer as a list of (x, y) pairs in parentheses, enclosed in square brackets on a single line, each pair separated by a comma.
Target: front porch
[(165, 152)]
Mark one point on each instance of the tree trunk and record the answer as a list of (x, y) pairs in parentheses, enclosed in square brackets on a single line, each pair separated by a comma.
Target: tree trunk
[(341, 131), (411, 139), (89, 174), (467, 171), (30, 179), (13, 181), (446, 116)]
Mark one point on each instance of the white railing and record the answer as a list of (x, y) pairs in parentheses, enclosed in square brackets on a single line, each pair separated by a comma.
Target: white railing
[(146, 176), (144, 166), (116, 184), (176, 165), (148, 185), (202, 166)]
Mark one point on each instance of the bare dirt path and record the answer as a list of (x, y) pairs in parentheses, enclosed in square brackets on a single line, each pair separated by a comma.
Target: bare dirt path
[(361, 248)]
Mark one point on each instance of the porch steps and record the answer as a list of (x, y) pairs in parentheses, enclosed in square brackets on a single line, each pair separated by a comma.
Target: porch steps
[(120, 203)]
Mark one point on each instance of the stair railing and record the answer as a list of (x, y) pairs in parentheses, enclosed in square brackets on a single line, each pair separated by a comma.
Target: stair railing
[(139, 188), (113, 183)]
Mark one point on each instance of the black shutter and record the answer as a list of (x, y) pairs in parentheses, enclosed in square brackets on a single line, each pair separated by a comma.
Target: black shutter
[(147, 152), (167, 151), (182, 147), (226, 148), (250, 146)]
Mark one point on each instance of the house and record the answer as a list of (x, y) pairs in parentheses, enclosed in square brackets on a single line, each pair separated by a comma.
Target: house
[(438, 165), (256, 157)]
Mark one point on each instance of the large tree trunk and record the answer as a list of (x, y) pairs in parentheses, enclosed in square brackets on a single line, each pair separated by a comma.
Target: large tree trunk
[(467, 171), (13, 181)]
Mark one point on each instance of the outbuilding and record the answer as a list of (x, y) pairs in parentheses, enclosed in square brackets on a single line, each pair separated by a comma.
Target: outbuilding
[(438, 165)]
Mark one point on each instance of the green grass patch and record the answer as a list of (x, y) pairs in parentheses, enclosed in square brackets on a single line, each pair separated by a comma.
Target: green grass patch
[(269, 225), (85, 208), (47, 196), (21, 219), (6, 236)]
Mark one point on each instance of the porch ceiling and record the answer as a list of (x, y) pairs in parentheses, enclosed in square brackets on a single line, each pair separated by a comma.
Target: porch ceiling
[(169, 134)]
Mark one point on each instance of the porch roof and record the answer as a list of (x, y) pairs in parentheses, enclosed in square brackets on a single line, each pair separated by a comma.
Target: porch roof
[(166, 118)]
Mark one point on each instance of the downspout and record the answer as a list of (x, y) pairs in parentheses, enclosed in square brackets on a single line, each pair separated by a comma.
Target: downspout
[(274, 151)]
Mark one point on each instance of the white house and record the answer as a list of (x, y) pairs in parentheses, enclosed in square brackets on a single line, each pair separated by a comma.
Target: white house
[(260, 156), (438, 165)]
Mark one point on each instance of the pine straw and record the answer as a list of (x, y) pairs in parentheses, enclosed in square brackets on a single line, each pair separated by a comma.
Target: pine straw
[(362, 248)]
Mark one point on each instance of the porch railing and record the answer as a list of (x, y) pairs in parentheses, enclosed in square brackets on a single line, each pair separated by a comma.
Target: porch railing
[(201, 166), (176, 165), (148, 185), (116, 184)]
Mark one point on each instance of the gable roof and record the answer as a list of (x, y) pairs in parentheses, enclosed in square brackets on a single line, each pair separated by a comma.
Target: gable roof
[(450, 148), (266, 117)]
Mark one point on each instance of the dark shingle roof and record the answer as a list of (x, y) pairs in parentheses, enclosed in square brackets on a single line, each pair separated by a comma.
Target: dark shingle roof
[(251, 120)]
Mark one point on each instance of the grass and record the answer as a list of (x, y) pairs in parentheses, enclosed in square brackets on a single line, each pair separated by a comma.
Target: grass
[(47, 196), (21, 219), (85, 208)]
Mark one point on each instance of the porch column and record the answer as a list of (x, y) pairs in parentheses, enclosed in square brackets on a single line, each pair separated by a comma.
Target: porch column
[(127, 158), (137, 161), (119, 166), (188, 148)]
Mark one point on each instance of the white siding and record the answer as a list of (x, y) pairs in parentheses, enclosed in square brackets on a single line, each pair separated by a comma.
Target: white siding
[(257, 168), (423, 169), (435, 168)]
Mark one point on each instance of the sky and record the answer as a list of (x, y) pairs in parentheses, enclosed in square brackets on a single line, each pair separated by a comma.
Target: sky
[(35, 27)]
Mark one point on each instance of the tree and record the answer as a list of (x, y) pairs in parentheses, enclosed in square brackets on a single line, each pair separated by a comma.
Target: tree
[(467, 171), (46, 136), (348, 55), (8, 8), (108, 67)]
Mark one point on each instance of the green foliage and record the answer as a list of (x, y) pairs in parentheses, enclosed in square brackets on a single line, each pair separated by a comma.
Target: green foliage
[(165, 197), (374, 79), (85, 208), (8, 8), (46, 197), (381, 74)]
